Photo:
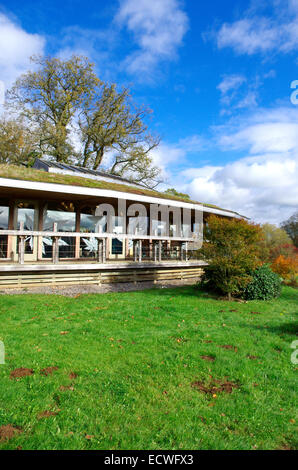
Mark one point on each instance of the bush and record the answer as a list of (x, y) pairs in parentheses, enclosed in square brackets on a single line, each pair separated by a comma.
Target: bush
[(231, 249), (286, 267), (265, 284)]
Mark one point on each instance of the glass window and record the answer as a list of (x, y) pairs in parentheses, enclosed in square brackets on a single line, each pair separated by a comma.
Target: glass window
[(4, 216), (27, 215), (118, 224), (66, 221), (91, 223), (64, 216)]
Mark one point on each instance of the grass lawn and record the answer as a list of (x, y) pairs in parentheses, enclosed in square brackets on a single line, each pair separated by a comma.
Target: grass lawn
[(130, 373)]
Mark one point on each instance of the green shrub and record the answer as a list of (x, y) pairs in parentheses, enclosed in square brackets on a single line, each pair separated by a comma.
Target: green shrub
[(265, 284), (231, 249)]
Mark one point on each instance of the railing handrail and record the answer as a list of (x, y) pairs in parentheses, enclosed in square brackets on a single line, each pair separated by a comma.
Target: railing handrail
[(37, 233)]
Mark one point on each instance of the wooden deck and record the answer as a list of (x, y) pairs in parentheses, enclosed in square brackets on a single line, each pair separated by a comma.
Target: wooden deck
[(65, 273)]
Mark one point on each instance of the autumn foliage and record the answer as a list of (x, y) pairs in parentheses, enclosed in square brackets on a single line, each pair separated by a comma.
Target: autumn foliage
[(286, 267)]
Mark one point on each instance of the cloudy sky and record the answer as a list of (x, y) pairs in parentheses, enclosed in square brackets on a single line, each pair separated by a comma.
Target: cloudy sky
[(216, 74)]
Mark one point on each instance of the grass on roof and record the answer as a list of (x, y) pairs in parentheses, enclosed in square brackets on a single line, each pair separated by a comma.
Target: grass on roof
[(30, 174)]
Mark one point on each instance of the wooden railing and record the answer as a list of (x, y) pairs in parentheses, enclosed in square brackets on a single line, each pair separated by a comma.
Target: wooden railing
[(157, 252)]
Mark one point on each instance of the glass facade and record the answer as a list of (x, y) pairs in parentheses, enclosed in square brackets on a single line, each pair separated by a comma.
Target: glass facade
[(4, 219), (26, 214), (65, 217)]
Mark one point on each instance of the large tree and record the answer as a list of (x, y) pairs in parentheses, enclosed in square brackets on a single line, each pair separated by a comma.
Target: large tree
[(50, 97), (84, 121), (114, 125), (273, 242), (291, 227), (18, 143)]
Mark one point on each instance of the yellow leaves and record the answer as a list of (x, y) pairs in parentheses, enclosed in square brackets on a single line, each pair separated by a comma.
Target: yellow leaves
[(64, 332)]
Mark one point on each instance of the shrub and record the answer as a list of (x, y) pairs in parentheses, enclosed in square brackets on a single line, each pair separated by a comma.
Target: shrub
[(231, 249), (286, 267), (265, 284)]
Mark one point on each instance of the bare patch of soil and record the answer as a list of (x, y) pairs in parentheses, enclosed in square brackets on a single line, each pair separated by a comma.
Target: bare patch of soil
[(47, 414), (228, 346), (72, 375), (48, 370), (8, 432), (21, 372), (208, 358), (253, 358), (215, 386), (63, 388)]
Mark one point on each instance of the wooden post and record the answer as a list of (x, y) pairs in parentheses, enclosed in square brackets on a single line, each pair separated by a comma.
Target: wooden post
[(181, 251), (99, 250), (104, 250), (55, 245), (78, 239), (140, 251), (21, 245), (159, 250), (135, 252), (186, 249), (155, 251)]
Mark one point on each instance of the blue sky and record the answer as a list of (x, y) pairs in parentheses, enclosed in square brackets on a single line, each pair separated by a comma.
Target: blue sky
[(216, 74)]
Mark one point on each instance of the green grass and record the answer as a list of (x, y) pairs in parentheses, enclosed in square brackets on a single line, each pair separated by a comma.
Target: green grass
[(133, 387)]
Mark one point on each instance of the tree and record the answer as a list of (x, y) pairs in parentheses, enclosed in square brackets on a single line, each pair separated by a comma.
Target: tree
[(173, 192), (291, 227), (51, 97), (17, 143), (114, 124), (84, 121), (232, 250), (274, 242)]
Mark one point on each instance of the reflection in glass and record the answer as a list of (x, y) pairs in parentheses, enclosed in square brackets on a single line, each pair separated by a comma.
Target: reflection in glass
[(118, 227), (92, 223), (27, 216), (4, 216), (66, 222)]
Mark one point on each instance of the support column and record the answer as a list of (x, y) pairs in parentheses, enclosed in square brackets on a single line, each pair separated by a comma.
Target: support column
[(181, 251), (55, 245), (21, 245), (155, 251), (140, 251), (100, 250), (104, 250), (159, 250), (77, 239)]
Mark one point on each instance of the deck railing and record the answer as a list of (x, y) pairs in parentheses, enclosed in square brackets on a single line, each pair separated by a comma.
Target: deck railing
[(56, 246)]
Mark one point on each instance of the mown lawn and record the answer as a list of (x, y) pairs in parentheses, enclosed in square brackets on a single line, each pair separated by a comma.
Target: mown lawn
[(133, 358)]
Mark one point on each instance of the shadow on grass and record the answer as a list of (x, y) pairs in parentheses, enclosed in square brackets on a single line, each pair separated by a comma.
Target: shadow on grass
[(285, 329), (170, 291)]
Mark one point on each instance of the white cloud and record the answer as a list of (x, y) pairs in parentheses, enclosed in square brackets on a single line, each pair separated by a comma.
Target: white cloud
[(16, 47), (263, 184), (158, 28), (255, 33), (230, 82)]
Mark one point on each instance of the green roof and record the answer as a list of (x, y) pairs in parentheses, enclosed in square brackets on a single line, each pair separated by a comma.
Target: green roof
[(30, 174)]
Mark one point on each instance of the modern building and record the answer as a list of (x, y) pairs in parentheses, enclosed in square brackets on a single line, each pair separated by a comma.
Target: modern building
[(61, 224)]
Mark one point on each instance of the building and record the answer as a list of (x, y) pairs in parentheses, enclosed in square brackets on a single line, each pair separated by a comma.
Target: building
[(61, 224)]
